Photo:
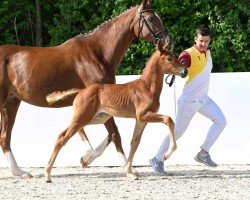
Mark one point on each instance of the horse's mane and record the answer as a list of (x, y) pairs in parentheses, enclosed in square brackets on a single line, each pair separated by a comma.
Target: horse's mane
[(104, 23), (108, 21)]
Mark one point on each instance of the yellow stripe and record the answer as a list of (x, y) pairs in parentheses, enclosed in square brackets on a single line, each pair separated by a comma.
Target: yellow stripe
[(198, 63)]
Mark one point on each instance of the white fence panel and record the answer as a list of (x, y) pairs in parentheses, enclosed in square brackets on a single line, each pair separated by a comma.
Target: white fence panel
[(36, 130)]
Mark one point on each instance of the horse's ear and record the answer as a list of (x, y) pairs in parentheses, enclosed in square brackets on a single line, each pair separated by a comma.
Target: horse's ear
[(159, 46), (146, 3)]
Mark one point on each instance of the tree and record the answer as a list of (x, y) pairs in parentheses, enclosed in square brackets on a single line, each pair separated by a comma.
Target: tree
[(39, 38), (49, 23)]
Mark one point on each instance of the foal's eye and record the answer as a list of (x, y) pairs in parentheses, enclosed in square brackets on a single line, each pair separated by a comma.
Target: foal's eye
[(169, 58)]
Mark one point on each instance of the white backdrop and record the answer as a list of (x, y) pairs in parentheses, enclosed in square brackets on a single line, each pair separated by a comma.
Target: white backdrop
[(36, 130)]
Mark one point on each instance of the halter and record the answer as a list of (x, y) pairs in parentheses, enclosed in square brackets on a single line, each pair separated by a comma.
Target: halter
[(155, 36)]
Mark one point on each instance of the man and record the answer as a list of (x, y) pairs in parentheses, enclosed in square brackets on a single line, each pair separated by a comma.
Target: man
[(194, 99)]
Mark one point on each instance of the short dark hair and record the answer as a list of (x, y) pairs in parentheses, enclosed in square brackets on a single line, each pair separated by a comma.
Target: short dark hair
[(202, 31)]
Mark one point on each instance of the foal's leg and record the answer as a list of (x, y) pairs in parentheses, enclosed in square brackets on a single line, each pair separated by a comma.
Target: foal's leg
[(154, 117), (139, 128), (61, 141), (8, 116)]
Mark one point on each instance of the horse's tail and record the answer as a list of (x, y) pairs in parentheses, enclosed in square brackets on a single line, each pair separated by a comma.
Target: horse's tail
[(58, 96)]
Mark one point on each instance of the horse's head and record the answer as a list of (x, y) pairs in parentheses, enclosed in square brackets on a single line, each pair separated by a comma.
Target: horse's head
[(169, 63), (148, 25)]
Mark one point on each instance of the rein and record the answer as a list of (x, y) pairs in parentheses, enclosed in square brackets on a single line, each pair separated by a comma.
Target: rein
[(171, 82), (155, 36)]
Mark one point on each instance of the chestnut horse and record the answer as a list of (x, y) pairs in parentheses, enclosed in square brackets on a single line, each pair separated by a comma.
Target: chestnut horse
[(138, 99), (31, 73)]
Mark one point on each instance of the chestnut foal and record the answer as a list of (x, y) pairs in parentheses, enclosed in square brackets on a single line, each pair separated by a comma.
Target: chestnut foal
[(138, 99)]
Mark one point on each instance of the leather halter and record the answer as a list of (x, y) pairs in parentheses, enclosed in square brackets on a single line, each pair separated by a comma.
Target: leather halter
[(155, 36)]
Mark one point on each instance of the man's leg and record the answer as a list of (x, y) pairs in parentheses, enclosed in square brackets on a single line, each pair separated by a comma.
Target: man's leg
[(213, 112)]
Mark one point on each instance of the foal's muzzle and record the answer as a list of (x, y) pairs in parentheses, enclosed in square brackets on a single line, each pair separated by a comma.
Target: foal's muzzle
[(183, 73)]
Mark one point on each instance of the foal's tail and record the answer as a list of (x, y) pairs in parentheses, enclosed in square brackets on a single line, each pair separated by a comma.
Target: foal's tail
[(58, 96)]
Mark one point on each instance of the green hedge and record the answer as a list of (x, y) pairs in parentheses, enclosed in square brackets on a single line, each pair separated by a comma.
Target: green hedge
[(228, 20)]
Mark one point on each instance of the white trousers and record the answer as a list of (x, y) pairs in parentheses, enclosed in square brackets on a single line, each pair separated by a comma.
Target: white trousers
[(186, 110)]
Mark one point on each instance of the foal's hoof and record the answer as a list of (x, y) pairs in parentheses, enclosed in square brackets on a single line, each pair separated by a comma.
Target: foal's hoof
[(47, 178), (84, 163), (133, 176), (136, 173)]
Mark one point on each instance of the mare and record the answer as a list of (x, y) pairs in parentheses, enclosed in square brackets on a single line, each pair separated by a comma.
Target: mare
[(29, 74), (138, 99)]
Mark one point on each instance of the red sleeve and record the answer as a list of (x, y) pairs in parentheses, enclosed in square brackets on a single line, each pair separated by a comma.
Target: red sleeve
[(185, 59)]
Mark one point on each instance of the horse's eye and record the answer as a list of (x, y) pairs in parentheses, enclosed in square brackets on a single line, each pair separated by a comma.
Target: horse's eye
[(150, 19)]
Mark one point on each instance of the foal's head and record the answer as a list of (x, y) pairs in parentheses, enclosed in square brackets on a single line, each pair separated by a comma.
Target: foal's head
[(148, 25), (169, 63)]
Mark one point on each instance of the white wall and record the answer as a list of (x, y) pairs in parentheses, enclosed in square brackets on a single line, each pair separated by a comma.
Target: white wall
[(36, 130)]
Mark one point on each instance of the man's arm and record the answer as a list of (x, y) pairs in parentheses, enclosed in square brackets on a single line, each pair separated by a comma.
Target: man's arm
[(185, 59)]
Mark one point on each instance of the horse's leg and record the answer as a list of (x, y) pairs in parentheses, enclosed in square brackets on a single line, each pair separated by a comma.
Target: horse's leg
[(113, 135), (139, 128), (62, 139), (85, 159), (8, 116), (92, 154)]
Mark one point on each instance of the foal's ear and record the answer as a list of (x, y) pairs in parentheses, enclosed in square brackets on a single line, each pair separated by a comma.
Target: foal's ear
[(166, 46), (146, 3), (160, 46)]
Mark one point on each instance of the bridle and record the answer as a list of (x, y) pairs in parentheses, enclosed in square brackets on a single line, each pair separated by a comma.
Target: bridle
[(156, 35)]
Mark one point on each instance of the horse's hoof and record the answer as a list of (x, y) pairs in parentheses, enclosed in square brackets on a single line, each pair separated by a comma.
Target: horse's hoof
[(26, 176), (83, 163), (22, 174), (48, 181)]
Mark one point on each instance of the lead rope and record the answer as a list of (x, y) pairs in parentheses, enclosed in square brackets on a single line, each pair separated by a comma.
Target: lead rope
[(172, 81), (174, 101)]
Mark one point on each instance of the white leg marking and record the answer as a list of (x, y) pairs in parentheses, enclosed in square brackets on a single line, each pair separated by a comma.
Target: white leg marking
[(87, 144), (15, 170), (124, 166), (92, 154), (123, 159)]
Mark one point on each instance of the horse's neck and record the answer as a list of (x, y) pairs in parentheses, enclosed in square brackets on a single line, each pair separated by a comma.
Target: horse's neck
[(115, 37), (152, 76)]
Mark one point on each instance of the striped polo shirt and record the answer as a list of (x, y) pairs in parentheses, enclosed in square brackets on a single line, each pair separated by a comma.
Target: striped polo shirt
[(199, 66)]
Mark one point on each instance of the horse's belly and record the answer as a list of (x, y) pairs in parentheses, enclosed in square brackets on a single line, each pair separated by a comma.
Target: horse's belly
[(40, 100)]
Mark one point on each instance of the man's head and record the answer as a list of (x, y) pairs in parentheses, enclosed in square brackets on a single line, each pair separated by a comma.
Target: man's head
[(202, 39)]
